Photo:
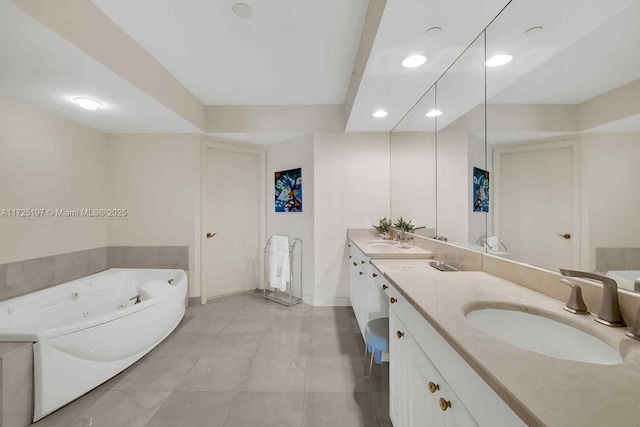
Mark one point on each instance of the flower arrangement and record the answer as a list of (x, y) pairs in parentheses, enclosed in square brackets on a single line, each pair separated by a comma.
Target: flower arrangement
[(383, 227)]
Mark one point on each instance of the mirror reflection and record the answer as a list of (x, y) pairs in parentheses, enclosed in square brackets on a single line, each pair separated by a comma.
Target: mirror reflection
[(462, 172), (413, 167), (563, 134)]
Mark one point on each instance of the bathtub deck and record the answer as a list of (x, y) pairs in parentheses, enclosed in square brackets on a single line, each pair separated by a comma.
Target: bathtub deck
[(242, 361)]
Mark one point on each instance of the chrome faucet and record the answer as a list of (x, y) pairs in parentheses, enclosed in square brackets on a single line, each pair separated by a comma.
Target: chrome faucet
[(609, 313), (418, 228)]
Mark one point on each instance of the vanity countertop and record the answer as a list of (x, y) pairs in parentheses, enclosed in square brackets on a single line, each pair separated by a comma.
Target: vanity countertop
[(542, 390), (365, 241)]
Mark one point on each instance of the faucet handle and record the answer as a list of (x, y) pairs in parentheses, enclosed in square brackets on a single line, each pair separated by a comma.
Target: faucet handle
[(634, 332), (575, 304)]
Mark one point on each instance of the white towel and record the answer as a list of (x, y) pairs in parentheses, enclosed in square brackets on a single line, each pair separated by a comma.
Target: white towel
[(493, 242), (279, 264)]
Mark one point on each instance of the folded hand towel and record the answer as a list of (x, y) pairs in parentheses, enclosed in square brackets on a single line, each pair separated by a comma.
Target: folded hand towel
[(279, 263)]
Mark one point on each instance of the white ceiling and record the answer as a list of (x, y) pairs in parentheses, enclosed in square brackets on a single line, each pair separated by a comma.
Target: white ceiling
[(42, 69), (385, 83), (259, 138), (587, 47), (289, 52)]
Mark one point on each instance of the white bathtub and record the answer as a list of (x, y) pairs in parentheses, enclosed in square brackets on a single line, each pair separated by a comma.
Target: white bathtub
[(88, 330), (626, 279)]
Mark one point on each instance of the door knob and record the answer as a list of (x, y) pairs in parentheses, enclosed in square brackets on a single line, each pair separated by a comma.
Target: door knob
[(399, 334), (210, 235), (433, 387), (565, 235), (384, 287)]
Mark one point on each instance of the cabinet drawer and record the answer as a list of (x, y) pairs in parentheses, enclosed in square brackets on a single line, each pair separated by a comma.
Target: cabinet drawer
[(484, 405), (396, 301)]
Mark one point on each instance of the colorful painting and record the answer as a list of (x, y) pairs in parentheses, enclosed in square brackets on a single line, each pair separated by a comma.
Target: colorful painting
[(289, 190), (480, 190)]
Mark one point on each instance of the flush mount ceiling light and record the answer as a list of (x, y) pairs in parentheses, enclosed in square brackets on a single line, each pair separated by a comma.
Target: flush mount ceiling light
[(434, 113), (414, 61), (380, 114), (87, 103), (433, 31), (242, 10), (498, 60), (534, 31)]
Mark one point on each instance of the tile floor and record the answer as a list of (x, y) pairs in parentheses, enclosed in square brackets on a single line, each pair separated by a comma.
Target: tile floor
[(241, 361)]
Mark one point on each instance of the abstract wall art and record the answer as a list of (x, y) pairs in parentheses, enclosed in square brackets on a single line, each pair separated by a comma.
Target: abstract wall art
[(480, 190), (288, 186)]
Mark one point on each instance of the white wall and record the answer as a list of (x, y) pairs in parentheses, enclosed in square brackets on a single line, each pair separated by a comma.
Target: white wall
[(351, 185), (48, 162), (611, 185), (156, 177), (295, 153), (413, 172), (453, 187)]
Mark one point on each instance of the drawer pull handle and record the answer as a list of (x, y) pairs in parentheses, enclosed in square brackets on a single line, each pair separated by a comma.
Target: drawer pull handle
[(400, 334), (385, 287), (360, 273), (444, 404), (392, 300), (433, 387), (375, 275), (354, 263), (361, 262)]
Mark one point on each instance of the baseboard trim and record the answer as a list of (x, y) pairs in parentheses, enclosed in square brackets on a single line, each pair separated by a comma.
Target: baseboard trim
[(332, 302)]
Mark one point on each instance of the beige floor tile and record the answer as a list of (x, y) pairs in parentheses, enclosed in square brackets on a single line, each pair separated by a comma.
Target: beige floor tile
[(283, 344), (181, 345), (230, 345), (247, 325), (329, 324), (339, 409), (156, 374), (336, 374), (282, 374), (206, 323), (194, 409), (216, 374), (333, 344), (122, 409), (288, 322), (267, 410)]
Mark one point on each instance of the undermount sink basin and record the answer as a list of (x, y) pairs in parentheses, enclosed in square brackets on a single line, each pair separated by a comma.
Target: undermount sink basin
[(382, 242), (544, 336)]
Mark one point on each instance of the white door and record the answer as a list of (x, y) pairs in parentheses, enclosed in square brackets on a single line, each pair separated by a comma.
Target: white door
[(535, 192), (231, 214)]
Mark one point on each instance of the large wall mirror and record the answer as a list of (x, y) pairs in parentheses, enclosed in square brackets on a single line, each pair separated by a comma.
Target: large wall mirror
[(462, 202), (563, 134), (413, 167)]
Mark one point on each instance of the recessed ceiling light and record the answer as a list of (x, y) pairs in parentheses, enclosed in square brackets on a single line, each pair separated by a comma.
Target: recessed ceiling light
[(434, 113), (533, 31), (433, 31), (380, 114), (242, 10), (87, 103), (414, 61), (498, 60)]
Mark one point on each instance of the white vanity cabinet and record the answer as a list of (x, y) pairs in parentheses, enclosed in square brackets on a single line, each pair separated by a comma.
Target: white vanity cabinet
[(365, 288), (429, 382)]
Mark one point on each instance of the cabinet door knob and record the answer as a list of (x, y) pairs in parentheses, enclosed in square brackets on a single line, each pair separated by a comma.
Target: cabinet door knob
[(361, 262), (400, 334), (354, 263), (433, 387), (385, 287), (360, 273), (375, 275), (392, 300), (444, 404)]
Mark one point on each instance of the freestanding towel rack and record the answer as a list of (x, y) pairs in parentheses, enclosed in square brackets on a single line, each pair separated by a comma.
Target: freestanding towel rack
[(293, 294)]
